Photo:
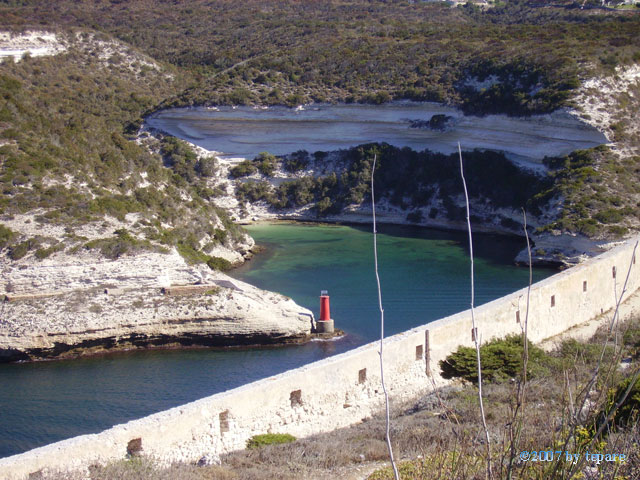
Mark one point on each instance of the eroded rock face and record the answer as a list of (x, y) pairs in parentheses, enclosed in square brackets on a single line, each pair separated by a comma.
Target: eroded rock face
[(562, 250), (83, 308), (79, 272)]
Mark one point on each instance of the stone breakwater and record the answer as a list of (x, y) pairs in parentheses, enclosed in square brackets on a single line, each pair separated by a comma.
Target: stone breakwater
[(345, 389), (55, 310)]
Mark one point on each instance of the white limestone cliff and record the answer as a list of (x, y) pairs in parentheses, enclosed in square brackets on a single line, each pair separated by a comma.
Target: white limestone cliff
[(85, 306)]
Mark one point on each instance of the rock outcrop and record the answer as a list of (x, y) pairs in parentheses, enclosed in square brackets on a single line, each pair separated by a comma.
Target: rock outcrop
[(150, 300)]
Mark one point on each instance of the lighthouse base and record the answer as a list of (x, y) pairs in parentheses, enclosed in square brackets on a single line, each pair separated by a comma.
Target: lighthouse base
[(324, 326)]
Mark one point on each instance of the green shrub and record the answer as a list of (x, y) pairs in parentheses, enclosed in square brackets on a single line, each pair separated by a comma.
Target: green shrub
[(219, 263), (266, 163), (586, 226), (6, 236), (618, 230), (324, 206), (220, 235), (629, 408), (610, 215), (43, 253), (181, 158), (190, 254), (501, 359), (207, 166), (258, 441), (571, 350), (253, 191), (377, 98), (297, 161), (631, 339), (114, 247), (243, 169), (240, 96), (19, 250)]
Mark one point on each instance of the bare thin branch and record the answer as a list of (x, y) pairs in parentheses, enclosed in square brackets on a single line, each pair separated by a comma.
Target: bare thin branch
[(384, 388), (597, 375), (473, 323), (517, 422), (612, 324)]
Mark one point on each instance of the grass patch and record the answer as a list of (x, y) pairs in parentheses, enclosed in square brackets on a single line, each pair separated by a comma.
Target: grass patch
[(258, 441)]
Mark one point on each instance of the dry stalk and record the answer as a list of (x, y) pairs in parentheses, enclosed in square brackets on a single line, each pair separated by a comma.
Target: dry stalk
[(384, 388), (473, 323), (612, 324), (516, 425), (594, 378), (605, 424)]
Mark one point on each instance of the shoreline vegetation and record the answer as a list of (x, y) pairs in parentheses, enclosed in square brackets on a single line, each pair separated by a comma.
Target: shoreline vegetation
[(330, 187)]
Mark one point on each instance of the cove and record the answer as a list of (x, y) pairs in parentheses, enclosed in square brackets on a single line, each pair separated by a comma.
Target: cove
[(424, 275), (246, 131)]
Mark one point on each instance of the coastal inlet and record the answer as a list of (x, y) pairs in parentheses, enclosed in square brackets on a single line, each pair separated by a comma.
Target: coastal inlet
[(424, 276)]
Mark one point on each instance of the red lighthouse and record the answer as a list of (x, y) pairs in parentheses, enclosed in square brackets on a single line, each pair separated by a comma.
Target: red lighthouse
[(325, 322)]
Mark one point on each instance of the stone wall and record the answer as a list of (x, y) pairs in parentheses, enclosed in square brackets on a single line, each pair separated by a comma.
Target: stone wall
[(344, 389)]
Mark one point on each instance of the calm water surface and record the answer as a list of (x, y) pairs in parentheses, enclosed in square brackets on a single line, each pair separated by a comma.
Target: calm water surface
[(424, 275)]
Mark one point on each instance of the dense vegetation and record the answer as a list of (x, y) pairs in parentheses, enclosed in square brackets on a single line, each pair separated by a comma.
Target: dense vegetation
[(67, 122), (68, 153), (599, 189), (595, 188), (434, 180), (294, 52)]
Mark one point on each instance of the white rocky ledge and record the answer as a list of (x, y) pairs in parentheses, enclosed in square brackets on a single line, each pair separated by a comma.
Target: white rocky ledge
[(53, 310)]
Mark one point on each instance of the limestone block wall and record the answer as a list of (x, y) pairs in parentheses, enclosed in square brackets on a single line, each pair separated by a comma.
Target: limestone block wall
[(344, 389)]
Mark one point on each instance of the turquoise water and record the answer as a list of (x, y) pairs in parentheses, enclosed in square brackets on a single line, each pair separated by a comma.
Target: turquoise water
[(424, 275)]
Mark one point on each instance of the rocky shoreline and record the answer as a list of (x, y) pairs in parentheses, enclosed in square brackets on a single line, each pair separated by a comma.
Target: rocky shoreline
[(74, 305), (149, 300)]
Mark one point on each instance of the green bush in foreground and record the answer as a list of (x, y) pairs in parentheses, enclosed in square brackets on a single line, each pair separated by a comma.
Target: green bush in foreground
[(628, 410), (500, 358), (258, 441)]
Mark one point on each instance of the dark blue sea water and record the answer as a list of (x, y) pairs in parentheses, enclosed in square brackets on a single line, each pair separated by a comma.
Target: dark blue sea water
[(424, 275)]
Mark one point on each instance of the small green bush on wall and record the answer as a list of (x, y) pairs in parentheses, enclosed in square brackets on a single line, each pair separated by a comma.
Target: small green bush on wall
[(258, 441)]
